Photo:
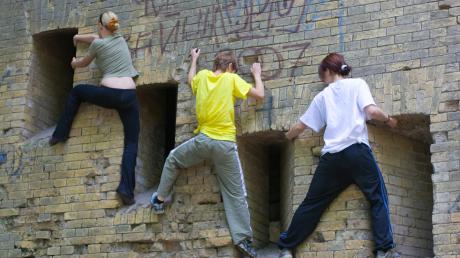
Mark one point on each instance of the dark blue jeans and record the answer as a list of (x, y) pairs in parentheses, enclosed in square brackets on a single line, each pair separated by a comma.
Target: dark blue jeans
[(125, 102), (335, 172)]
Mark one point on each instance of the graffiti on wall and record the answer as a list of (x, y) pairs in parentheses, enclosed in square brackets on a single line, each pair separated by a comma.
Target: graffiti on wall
[(230, 21)]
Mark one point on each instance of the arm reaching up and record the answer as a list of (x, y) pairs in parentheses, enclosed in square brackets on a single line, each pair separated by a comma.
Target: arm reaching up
[(258, 92), (195, 53)]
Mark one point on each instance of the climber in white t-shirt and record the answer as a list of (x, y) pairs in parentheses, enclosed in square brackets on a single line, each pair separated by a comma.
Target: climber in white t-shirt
[(343, 108)]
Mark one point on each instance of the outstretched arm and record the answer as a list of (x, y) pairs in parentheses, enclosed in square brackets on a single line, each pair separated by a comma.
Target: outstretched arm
[(195, 53), (297, 129), (81, 61), (258, 91), (375, 113), (84, 38)]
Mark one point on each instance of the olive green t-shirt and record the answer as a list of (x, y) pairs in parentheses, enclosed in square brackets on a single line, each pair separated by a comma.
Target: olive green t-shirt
[(113, 57)]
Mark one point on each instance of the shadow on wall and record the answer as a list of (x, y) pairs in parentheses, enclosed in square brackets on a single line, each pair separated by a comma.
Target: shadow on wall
[(403, 155), (405, 160), (412, 126), (267, 159), (51, 77), (157, 136)]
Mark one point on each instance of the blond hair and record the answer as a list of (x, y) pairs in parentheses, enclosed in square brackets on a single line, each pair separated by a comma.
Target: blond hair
[(109, 20)]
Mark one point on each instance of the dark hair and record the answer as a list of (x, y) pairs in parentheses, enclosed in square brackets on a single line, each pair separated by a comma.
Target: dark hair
[(335, 63), (223, 60)]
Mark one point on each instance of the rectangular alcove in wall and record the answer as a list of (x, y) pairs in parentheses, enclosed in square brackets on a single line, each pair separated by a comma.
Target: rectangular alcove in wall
[(51, 77), (266, 162), (403, 155), (157, 104), (404, 158)]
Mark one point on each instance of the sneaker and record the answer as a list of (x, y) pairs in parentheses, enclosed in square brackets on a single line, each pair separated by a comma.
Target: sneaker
[(245, 247), (388, 254), (157, 206), (286, 253)]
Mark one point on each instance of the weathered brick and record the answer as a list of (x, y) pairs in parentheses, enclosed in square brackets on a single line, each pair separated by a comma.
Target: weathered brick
[(405, 50)]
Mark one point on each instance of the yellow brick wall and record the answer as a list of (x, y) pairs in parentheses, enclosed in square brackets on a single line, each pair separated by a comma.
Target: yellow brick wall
[(60, 201), (345, 229)]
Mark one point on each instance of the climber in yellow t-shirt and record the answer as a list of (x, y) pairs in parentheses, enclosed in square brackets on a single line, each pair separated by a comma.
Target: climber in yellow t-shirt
[(215, 100), (216, 92)]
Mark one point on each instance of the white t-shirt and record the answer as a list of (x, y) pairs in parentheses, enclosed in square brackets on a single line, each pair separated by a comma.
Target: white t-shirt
[(340, 107)]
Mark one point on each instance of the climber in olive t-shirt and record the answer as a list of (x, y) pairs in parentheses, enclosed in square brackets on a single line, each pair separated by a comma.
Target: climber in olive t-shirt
[(117, 90)]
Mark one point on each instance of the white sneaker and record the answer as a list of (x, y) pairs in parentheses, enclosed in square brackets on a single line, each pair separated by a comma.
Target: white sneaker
[(286, 253)]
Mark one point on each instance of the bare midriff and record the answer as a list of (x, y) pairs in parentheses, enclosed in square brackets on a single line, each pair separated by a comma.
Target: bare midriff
[(119, 82)]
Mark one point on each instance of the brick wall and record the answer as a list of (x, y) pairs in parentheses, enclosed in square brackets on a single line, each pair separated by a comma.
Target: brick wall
[(51, 78), (60, 201), (157, 107), (254, 158), (345, 230), (265, 162)]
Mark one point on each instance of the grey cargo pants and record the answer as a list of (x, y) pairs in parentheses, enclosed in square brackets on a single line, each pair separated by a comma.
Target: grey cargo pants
[(226, 165)]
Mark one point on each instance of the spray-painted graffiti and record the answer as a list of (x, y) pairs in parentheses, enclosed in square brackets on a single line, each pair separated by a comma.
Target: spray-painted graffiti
[(259, 54), (230, 21), (234, 17)]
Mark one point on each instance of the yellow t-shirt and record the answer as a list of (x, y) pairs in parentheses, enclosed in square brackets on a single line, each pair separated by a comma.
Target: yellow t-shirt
[(215, 103)]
